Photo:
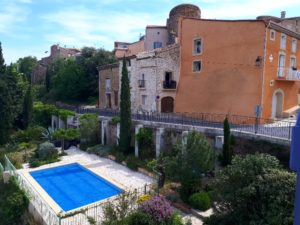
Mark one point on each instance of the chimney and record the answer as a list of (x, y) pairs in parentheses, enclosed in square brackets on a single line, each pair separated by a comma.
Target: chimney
[(283, 14)]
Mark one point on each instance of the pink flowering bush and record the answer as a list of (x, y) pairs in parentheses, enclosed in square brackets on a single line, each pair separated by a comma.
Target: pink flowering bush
[(158, 208)]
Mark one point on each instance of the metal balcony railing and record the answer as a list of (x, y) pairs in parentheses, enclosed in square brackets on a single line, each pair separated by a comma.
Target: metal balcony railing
[(169, 84), (284, 73), (142, 83)]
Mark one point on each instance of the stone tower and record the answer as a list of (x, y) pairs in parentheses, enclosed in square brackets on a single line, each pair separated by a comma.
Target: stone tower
[(183, 10)]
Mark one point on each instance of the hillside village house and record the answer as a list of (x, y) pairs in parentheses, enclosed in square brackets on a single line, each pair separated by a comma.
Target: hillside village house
[(198, 65), (39, 72), (228, 68)]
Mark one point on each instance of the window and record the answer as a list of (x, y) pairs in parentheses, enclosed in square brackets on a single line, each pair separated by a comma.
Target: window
[(142, 81), (197, 46), (272, 35), (144, 99), (128, 63), (157, 44), (107, 85), (281, 64), (116, 98), (197, 65), (283, 41), (293, 62), (294, 45), (108, 100)]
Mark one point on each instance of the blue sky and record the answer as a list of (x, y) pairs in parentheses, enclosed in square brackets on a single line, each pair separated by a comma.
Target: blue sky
[(30, 27)]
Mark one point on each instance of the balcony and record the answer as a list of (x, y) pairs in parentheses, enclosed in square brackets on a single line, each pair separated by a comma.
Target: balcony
[(169, 84), (142, 83), (289, 74)]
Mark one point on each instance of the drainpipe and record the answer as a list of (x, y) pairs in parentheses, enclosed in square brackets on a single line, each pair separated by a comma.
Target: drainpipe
[(264, 68)]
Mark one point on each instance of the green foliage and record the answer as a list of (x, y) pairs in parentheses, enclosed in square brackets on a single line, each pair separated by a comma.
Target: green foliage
[(125, 111), (132, 162), (116, 213), (66, 134), (99, 150), (64, 114), (42, 113), (256, 190), (89, 129), (2, 63), (145, 142), (200, 201), (195, 158), (139, 218), (13, 203), (47, 151), (30, 134), (76, 79), (26, 66), (227, 150), (27, 108), (115, 120)]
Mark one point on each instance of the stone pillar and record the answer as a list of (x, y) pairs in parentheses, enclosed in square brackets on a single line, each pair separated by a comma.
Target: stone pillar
[(118, 133), (158, 141), (61, 124), (184, 137), (54, 122), (104, 137), (136, 144)]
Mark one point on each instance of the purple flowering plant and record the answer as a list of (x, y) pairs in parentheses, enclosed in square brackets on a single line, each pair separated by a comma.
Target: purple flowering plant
[(158, 208)]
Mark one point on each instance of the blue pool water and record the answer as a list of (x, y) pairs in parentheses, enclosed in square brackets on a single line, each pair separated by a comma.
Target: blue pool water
[(72, 186)]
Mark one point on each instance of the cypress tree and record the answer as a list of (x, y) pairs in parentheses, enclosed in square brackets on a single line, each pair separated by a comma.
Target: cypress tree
[(125, 111), (27, 108), (227, 151), (2, 65)]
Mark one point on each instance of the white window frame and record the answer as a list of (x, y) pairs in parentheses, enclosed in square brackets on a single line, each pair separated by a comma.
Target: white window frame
[(283, 44), (274, 33), (194, 47), (201, 65), (294, 45), (293, 57), (144, 99)]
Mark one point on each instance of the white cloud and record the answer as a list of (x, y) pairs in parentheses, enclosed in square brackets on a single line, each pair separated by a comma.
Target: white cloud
[(79, 26)]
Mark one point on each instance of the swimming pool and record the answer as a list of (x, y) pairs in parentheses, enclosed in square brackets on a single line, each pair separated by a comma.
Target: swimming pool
[(72, 186)]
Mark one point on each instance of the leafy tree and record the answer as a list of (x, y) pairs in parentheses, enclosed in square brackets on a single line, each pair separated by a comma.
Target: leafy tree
[(125, 111), (227, 150), (89, 129), (66, 134), (27, 108), (256, 190), (195, 158), (26, 66)]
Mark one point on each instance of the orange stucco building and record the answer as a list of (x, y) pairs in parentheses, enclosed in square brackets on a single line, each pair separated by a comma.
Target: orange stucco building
[(231, 67)]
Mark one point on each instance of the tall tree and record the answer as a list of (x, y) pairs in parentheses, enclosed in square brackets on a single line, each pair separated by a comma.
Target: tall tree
[(2, 65), (125, 111), (227, 150), (8, 87), (26, 66), (27, 108)]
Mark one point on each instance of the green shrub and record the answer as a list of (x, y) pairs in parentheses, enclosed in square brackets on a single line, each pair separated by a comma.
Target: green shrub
[(145, 142), (13, 203), (30, 134), (139, 218), (132, 162), (176, 219), (99, 150), (200, 201), (120, 157), (46, 151), (115, 120)]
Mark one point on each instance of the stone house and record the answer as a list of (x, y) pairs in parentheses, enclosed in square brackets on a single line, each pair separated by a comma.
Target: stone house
[(39, 73)]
